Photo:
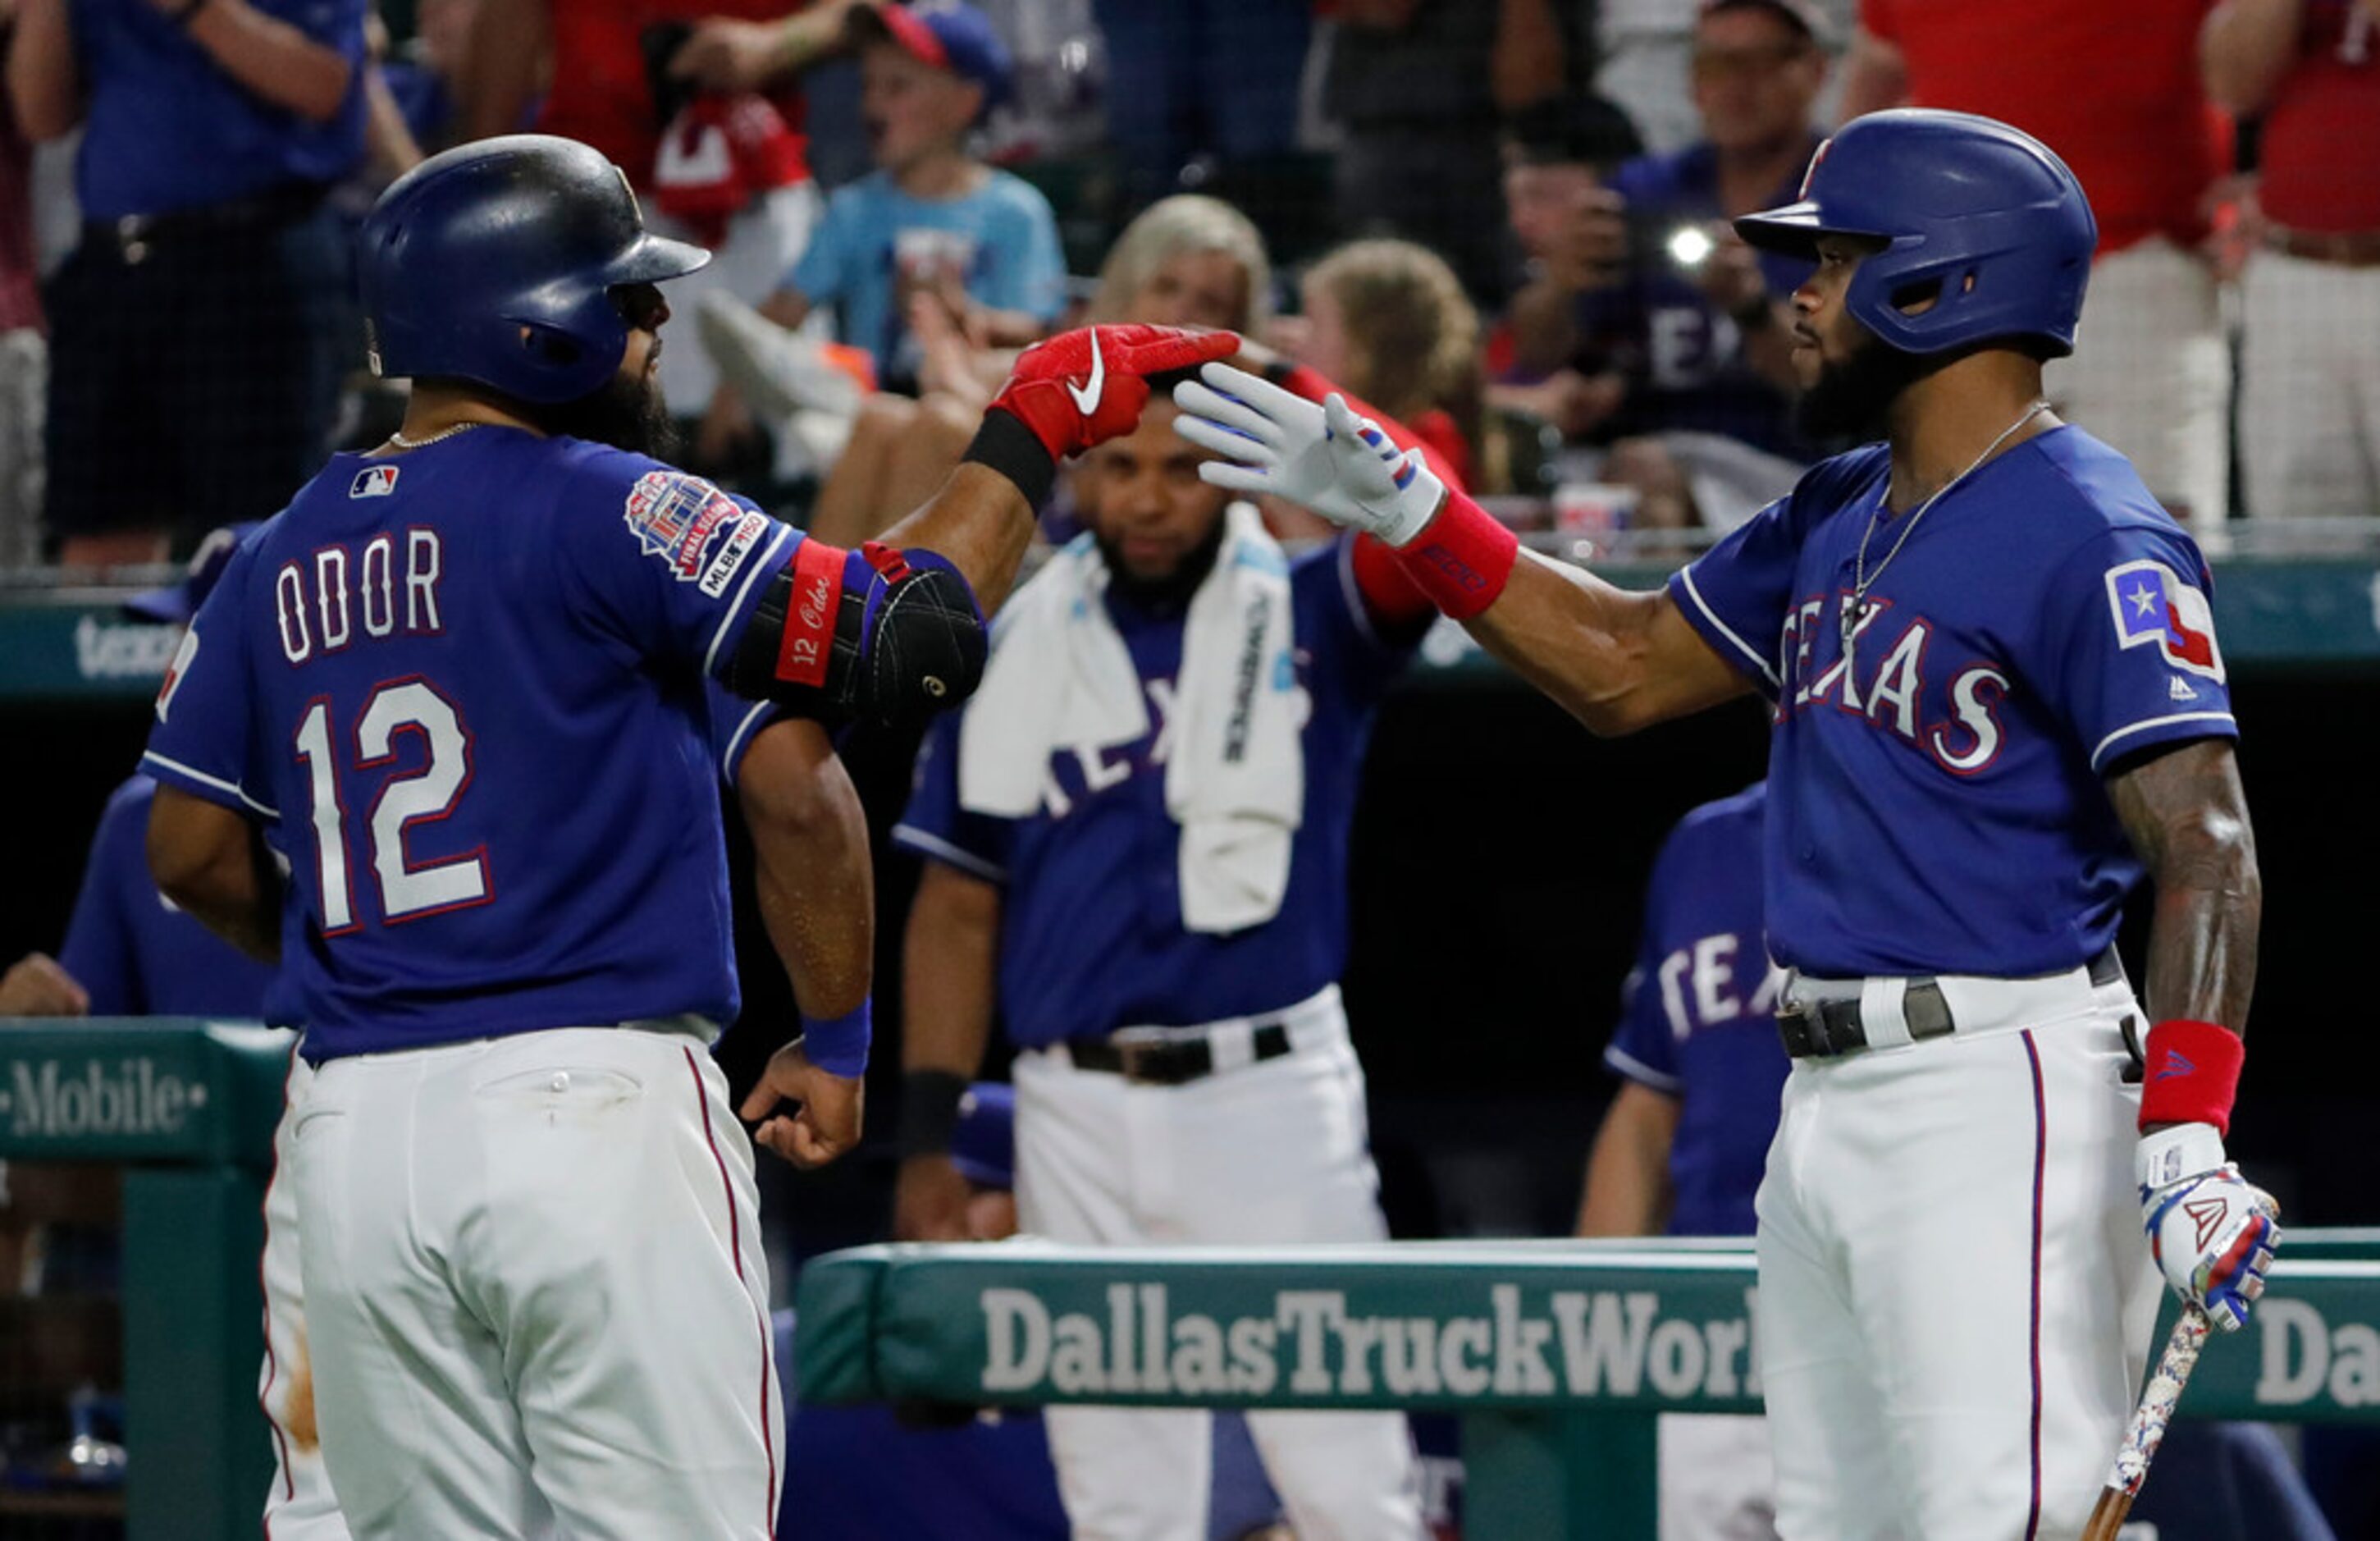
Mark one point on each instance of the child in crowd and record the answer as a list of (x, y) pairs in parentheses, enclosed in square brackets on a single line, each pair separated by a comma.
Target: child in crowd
[(931, 219)]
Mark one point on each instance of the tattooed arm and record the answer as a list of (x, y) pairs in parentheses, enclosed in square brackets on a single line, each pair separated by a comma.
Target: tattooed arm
[(2187, 818)]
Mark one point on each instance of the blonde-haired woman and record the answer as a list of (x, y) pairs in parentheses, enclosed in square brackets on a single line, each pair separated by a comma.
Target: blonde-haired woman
[(1389, 321), (1188, 261)]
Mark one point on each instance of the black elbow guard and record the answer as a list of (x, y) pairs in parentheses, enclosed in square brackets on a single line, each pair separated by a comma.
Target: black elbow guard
[(876, 636)]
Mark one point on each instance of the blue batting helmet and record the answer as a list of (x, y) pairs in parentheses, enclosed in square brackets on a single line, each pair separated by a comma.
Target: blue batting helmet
[(1986, 219), (493, 262)]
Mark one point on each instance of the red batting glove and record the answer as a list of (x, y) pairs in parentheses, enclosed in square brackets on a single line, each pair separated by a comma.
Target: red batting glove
[(1079, 389)]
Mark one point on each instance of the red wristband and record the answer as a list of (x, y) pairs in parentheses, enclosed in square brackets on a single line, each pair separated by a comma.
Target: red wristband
[(1461, 559), (2191, 1076)]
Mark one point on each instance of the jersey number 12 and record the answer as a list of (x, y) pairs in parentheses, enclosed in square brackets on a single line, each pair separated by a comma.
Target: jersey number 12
[(407, 892)]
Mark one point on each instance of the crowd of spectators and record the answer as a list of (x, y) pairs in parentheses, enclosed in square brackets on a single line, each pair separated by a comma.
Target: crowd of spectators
[(1567, 167)]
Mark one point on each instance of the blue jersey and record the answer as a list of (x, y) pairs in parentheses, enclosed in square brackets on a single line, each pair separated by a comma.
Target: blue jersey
[(1091, 931), (469, 681), (166, 128), (131, 949), (1936, 804), (1698, 1020)]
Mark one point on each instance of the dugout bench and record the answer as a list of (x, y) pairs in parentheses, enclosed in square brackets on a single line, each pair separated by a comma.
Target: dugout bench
[(1555, 1353)]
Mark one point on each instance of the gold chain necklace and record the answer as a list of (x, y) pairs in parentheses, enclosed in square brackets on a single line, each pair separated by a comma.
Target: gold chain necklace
[(401, 441)]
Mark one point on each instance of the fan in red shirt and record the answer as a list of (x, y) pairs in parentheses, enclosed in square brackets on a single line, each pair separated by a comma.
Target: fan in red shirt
[(2113, 86), (698, 102), (2310, 366)]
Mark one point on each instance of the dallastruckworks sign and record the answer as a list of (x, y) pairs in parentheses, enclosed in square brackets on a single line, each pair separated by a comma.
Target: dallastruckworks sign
[(1582, 1343), (1291, 1345)]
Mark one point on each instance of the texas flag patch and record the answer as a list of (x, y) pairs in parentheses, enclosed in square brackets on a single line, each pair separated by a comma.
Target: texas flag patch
[(2153, 604)]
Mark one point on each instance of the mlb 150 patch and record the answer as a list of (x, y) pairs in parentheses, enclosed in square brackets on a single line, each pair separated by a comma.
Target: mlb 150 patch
[(680, 518)]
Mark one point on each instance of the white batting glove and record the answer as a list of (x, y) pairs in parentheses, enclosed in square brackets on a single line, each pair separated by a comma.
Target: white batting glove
[(1325, 458), (2212, 1231)]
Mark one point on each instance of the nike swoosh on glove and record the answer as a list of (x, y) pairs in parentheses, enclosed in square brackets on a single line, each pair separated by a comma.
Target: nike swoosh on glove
[(1088, 385), (2212, 1231), (1325, 458)]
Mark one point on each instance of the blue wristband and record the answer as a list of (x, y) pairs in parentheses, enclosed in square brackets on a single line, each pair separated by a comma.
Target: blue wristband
[(839, 1045)]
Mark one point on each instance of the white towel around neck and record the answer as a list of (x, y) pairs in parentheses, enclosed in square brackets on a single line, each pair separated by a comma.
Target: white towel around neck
[(1061, 680)]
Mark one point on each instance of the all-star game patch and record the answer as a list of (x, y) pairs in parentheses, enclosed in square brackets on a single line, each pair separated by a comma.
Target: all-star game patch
[(679, 518)]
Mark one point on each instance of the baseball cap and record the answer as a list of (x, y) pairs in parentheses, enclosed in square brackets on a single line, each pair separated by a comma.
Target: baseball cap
[(1799, 14), (947, 34), (983, 1146), (175, 604)]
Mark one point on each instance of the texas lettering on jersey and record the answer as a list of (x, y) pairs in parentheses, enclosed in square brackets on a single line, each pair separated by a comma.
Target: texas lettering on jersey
[(1719, 977), (1959, 726)]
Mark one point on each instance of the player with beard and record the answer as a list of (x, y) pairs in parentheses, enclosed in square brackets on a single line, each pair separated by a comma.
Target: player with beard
[(470, 675), (1999, 706), (1135, 844)]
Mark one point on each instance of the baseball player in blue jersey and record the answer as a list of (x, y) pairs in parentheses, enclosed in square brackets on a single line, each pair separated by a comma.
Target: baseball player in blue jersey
[(1680, 1152), (1998, 705), (1136, 853), (465, 674)]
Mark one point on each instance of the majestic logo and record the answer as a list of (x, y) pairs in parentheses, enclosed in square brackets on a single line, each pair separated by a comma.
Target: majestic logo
[(1087, 397), (2208, 1215), (2175, 1065), (2152, 604), (373, 481)]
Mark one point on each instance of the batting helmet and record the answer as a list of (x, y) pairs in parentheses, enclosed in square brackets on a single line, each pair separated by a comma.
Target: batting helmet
[(1985, 218), (493, 262)]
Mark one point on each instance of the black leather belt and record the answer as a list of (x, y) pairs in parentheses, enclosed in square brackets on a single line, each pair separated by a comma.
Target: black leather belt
[(1825, 1029), (1171, 1062), (132, 237)]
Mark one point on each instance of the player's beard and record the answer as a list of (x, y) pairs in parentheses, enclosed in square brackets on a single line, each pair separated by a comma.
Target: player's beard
[(1851, 397), (628, 413), (1168, 593)]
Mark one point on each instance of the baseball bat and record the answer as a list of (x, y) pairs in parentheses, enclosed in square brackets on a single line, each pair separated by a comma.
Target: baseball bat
[(2148, 1424)]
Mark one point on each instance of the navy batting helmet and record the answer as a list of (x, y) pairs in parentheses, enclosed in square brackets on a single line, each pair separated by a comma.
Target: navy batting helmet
[(1984, 219), (494, 261)]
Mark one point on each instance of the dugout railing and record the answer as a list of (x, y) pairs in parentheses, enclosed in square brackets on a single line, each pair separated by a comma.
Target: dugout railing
[(1555, 1354)]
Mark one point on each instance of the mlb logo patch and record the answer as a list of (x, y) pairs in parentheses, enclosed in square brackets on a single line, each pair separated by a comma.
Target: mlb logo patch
[(373, 481), (2152, 604)]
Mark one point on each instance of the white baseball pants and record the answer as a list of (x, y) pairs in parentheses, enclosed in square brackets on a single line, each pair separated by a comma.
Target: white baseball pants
[(1718, 1482), (1261, 1154), (536, 1290), (2309, 384), (299, 1506), (1955, 1295)]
